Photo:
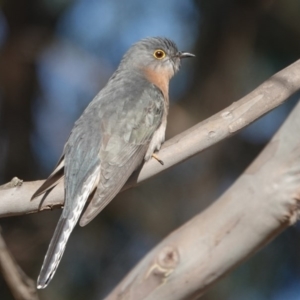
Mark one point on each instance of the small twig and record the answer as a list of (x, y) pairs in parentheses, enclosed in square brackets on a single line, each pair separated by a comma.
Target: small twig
[(21, 286), (15, 182)]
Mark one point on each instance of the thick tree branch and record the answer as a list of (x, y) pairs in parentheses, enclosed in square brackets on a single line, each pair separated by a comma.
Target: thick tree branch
[(273, 92), (261, 203)]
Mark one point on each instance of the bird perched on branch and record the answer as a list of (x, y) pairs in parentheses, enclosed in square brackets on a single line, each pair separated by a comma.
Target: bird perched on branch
[(123, 125)]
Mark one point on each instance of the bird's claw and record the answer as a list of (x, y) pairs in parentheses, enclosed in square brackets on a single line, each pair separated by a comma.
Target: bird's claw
[(158, 159)]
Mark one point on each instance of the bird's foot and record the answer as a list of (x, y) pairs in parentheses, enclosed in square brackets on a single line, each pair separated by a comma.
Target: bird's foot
[(158, 159)]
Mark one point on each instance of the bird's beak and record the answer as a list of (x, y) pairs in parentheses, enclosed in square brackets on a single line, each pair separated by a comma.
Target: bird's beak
[(184, 54)]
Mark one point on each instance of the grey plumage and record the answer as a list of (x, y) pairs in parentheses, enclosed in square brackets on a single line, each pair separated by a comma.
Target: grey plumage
[(123, 125)]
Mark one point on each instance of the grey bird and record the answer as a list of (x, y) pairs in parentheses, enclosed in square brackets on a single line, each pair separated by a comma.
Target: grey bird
[(122, 126)]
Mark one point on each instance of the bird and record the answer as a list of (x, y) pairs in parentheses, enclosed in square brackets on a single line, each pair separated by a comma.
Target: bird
[(121, 127)]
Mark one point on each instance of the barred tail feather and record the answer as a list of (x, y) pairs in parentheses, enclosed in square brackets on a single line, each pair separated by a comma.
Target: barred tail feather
[(63, 231), (55, 251)]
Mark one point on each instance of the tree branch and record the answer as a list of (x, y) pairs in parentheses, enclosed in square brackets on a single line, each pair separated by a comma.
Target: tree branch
[(21, 286), (258, 206), (273, 92)]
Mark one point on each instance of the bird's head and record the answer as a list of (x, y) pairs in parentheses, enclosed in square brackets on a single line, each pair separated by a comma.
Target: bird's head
[(155, 55)]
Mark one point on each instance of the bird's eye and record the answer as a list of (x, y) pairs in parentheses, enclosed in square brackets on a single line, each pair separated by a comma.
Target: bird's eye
[(159, 54)]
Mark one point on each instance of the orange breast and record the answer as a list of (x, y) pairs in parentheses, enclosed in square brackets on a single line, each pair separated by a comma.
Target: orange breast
[(160, 78)]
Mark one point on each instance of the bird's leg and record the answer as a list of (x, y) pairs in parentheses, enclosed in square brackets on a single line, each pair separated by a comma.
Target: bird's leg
[(158, 159)]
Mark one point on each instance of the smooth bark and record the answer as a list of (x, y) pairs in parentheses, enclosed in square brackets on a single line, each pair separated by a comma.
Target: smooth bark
[(256, 208)]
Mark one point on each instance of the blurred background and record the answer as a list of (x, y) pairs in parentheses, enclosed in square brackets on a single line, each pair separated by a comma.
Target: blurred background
[(55, 55)]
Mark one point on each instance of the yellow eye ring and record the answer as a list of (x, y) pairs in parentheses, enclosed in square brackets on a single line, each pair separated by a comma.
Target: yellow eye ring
[(159, 54)]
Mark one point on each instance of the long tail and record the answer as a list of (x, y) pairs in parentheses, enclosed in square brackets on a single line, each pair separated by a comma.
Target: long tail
[(62, 233), (55, 251)]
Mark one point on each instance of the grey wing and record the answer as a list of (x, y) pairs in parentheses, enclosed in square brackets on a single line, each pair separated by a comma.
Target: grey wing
[(81, 155), (124, 144)]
